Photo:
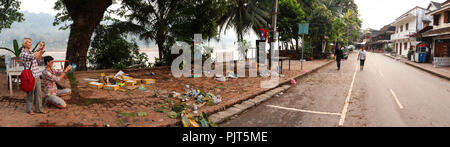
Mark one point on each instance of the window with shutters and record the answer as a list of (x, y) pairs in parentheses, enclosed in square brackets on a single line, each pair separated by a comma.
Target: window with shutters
[(436, 19), (447, 16), (407, 27)]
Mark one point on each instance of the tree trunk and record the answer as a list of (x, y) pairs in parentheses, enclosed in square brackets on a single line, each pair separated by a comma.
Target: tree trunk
[(86, 16)]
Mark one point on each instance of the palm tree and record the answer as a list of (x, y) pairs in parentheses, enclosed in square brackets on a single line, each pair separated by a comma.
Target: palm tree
[(246, 15), (168, 21)]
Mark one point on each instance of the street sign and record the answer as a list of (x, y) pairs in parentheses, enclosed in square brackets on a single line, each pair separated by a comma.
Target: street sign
[(306, 28), (303, 29)]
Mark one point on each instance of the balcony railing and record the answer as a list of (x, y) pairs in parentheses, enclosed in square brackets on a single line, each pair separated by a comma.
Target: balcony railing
[(402, 35)]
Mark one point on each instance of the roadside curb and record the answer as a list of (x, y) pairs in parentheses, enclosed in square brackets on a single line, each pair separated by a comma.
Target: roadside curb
[(423, 69), (429, 71), (254, 101)]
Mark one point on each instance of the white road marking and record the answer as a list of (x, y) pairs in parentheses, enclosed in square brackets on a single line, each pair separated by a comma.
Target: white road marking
[(305, 111), (347, 101), (396, 99)]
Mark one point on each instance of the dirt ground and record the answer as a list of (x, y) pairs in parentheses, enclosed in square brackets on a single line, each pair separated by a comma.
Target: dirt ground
[(116, 108)]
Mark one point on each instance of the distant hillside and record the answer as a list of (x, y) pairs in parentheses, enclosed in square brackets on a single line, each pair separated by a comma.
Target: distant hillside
[(40, 27)]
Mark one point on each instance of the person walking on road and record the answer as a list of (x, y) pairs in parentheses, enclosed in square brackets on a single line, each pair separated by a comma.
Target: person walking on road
[(339, 53), (362, 56)]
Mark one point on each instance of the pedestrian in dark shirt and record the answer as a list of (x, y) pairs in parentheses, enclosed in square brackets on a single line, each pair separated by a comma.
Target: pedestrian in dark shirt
[(339, 54)]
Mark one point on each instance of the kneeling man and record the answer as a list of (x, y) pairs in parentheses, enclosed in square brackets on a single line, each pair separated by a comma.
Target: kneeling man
[(50, 89)]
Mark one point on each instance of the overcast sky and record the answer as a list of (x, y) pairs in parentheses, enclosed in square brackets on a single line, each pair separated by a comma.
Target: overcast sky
[(377, 13)]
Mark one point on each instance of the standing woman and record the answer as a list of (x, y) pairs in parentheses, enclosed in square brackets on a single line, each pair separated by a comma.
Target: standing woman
[(30, 59), (362, 56), (339, 55)]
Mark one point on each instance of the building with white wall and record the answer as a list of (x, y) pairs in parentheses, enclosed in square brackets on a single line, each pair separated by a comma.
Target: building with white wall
[(406, 26)]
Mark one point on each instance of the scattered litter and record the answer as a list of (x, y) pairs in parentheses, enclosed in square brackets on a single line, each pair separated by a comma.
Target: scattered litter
[(91, 80), (120, 73), (221, 78), (200, 121), (121, 84), (148, 81), (195, 109), (293, 82), (119, 80), (187, 121), (193, 93), (112, 87), (96, 85), (130, 82), (132, 87), (175, 95), (231, 75), (142, 87)]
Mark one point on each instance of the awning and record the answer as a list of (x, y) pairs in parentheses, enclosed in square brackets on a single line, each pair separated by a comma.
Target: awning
[(422, 45), (437, 32)]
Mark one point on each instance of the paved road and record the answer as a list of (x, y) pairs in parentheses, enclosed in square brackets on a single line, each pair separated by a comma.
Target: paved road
[(386, 94)]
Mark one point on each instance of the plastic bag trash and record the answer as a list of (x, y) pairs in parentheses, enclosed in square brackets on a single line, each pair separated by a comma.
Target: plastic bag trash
[(195, 109), (120, 73), (217, 101), (175, 94), (221, 79), (193, 93), (293, 82), (231, 75)]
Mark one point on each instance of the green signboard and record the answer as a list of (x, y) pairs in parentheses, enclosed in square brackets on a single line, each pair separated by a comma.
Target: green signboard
[(303, 29)]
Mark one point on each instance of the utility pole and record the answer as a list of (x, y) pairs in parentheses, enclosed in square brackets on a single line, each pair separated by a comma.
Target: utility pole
[(274, 25), (303, 50)]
